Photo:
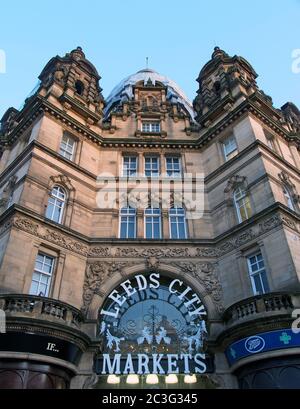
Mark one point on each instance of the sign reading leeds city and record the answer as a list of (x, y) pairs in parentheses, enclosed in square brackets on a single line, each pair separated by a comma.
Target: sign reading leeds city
[(153, 324)]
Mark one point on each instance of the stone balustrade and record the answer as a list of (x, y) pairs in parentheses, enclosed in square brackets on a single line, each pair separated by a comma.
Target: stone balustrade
[(281, 303), (36, 307)]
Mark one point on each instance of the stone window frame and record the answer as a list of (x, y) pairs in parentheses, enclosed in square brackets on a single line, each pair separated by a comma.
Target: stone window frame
[(65, 183), (135, 222), (50, 275), (186, 230), (273, 140), (222, 142), (155, 156), (57, 199), (288, 185), (152, 215), (233, 183), (252, 273), (181, 164), (129, 155), (152, 124), (70, 137), (243, 254), (57, 255), (77, 147)]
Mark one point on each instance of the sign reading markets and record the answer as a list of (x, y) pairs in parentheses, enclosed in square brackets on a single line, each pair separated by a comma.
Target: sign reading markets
[(153, 324), (262, 342)]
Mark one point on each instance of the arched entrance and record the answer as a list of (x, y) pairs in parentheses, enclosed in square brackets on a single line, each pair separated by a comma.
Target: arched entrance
[(152, 330)]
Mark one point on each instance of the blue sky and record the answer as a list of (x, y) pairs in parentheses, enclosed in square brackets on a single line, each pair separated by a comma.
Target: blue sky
[(177, 36)]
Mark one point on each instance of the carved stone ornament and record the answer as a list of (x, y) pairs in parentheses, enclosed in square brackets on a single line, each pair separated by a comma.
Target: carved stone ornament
[(97, 273), (64, 240), (205, 273), (61, 180), (233, 182), (152, 263)]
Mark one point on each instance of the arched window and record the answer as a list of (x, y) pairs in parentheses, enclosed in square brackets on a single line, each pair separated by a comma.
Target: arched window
[(242, 204), (177, 222), (127, 223), (152, 223), (79, 87), (288, 198), (56, 204)]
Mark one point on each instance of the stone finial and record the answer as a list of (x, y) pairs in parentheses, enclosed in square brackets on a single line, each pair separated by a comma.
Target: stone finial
[(218, 53), (78, 54)]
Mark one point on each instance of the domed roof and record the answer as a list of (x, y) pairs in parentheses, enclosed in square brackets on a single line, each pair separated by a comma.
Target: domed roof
[(124, 91)]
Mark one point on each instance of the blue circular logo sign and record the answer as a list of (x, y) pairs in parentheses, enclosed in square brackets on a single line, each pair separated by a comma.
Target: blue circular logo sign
[(254, 344)]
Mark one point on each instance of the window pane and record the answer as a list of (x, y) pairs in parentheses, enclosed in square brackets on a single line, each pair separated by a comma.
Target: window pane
[(44, 279), (131, 231), (243, 214), (148, 231), (181, 231), (33, 288), (49, 210), (42, 290), (123, 232), (265, 281), (257, 284), (156, 232), (173, 231)]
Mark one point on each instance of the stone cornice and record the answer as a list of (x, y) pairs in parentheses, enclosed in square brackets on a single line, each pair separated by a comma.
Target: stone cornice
[(237, 237), (253, 104)]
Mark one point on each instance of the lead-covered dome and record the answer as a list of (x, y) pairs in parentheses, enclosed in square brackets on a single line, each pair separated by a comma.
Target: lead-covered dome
[(124, 90)]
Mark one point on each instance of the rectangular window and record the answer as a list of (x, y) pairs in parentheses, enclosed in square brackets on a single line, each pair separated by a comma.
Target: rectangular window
[(242, 204), (152, 223), (177, 223), (130, 165), (127, 223), (42, 275), (151, 166), (230, 148), (258, 274), (67, 147), (173, 166), (152, 127)]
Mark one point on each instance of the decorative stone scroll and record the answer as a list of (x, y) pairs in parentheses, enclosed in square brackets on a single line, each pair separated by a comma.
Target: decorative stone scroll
[(96, 275), (206, 274)]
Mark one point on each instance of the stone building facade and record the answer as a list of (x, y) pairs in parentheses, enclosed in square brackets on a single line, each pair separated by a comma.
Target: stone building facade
[(65, 256)]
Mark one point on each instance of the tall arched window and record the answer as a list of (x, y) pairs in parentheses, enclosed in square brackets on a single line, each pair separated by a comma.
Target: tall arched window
[(177, 221), (288, 197), (127, 223), (242, 204), (56, 204)]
